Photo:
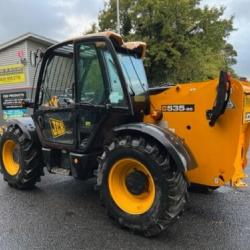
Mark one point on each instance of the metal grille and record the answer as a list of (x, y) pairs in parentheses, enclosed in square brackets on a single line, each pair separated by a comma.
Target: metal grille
[(59, 74)]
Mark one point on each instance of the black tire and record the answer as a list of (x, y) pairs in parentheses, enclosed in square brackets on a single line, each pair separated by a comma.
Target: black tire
[(30, 160), (170, 185), (202, 189)]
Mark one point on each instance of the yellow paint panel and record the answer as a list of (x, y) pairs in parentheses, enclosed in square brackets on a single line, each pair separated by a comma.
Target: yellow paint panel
[(12, 74), (220, 151)]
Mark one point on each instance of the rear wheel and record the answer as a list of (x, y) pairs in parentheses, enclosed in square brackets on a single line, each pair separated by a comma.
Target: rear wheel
[(140, 185), (21, 162)]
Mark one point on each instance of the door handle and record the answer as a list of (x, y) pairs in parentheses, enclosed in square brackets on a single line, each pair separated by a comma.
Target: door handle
[(40, 121)]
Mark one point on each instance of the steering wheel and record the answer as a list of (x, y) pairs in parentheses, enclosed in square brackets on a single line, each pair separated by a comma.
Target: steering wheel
[(222, 98)]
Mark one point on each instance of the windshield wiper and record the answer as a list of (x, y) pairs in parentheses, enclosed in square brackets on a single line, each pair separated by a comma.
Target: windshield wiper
[(133, 92), (130, 82), (142, 85), (130, 85)]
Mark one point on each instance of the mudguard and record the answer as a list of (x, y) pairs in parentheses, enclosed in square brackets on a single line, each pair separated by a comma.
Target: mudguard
[(26, 124), (176, 147)]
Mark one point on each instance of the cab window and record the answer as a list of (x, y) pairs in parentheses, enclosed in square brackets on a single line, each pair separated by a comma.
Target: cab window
[(58, 79), (116, 95), (90, 83)]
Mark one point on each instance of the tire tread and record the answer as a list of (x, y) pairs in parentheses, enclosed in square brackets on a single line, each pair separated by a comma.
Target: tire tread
[(31, 168), (176, 197)]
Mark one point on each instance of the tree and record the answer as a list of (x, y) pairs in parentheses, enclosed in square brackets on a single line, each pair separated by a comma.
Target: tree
[(107, 17), (185, 41), (93, 29)]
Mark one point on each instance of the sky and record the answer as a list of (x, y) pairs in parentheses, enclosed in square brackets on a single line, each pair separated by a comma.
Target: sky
[(240, 38), (62, 19)]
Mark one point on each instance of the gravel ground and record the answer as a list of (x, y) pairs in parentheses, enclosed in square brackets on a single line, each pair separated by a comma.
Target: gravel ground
[(62, 213)]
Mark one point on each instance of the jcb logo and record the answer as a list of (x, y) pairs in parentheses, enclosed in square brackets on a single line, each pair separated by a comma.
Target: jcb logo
[(57, 127)]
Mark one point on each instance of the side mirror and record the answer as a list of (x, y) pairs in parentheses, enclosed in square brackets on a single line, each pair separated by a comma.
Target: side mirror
[(27, 103), (34, 56)]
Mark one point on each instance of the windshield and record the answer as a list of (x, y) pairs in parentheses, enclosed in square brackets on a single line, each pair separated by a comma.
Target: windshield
[(134, 73)]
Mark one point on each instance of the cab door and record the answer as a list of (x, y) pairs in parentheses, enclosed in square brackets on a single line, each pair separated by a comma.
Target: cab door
[(100, 97), (55, 117)]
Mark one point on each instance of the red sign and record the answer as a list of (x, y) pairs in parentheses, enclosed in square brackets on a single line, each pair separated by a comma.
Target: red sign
[(20, 53)]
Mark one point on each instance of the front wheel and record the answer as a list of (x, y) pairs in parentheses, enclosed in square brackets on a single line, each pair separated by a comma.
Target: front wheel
[(21, 162), (140, 185)]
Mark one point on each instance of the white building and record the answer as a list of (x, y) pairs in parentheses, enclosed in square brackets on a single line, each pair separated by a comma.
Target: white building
[(17, 72)]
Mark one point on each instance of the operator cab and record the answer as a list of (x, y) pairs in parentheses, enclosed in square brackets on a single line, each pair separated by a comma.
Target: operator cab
[(86, 86)]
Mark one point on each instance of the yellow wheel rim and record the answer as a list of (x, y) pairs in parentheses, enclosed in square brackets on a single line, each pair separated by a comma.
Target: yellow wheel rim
[(129, 202), (10, 163)]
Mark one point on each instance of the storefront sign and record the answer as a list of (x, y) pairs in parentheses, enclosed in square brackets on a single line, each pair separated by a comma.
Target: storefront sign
[(12, 105), (12, 74), (14, 113), (12, 100)]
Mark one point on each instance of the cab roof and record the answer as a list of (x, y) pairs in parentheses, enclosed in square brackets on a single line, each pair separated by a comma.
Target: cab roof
[(137, 46)]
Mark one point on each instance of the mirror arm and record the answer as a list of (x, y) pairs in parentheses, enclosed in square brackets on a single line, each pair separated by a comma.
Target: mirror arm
[(28, 103)]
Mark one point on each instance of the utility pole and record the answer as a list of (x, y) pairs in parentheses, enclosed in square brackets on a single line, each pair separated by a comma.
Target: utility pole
[(118, 16)]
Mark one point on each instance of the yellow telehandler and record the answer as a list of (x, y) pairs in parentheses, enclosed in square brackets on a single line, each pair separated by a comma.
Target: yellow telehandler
[(94, 114)]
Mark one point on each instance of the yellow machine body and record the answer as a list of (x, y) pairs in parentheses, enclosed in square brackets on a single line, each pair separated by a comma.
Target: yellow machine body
[(221, 150)]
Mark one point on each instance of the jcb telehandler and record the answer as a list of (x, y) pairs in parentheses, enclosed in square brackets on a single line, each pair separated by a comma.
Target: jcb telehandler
[(93, 113)]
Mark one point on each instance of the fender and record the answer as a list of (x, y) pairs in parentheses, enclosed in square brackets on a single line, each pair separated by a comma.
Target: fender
[(176, 147), (26, 124)]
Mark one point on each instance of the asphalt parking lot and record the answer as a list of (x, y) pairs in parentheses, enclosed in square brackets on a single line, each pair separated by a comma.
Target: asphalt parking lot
[(62, 213)]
